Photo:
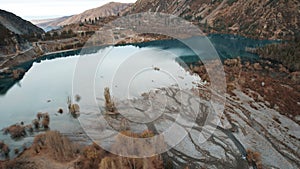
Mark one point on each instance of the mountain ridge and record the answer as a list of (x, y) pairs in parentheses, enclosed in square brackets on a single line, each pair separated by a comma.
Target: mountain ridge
[(109, 9)]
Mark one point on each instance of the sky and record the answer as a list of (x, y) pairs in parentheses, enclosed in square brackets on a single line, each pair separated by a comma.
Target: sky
[(43, 9)]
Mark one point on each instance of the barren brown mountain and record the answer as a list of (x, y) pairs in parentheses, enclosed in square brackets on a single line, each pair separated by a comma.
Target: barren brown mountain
[(272, 19)]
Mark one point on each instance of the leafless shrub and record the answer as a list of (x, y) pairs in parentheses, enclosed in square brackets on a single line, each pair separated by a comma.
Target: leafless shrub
[(36, 123), (77, 97), (15, 131), (74, 108), (39, 115), (5, 150), (109, 104), (254, 157), (46, 120), (91, 157), (29, 128)]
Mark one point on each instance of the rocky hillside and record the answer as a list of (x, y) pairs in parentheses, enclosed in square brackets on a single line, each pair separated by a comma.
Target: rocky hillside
[(272, 19), (10, 42), (17, 25), (14, 32)]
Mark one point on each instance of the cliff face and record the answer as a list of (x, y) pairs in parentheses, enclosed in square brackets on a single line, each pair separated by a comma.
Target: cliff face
[(272, 19)]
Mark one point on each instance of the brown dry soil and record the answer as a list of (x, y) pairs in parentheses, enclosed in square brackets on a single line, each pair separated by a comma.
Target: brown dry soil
[(272, 81)]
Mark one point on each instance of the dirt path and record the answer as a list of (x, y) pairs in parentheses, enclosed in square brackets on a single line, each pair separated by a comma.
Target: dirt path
[(13, 56)]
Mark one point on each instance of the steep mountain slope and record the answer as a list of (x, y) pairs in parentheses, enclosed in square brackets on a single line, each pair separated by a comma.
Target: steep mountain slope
[(268, 18), (14, 32), (18, 25), (110, 9), (273, 19), (9, 40)]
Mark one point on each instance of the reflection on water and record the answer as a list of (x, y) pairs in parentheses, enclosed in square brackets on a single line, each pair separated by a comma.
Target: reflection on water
[(47, 84), (128, 70)]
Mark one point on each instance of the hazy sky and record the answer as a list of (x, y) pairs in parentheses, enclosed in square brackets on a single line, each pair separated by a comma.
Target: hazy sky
[(39, 9)]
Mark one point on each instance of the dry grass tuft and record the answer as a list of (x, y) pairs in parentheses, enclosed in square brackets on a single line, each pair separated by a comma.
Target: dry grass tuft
[(254, 157), (19, 164), (93, 157), (117, 162), (59, 147)]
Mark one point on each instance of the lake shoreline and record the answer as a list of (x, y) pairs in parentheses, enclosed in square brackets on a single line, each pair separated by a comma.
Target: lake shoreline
[(240, 85), (38, 52)]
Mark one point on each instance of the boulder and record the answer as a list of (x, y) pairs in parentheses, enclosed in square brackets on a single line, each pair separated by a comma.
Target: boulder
[(297, 118), (295, 76), (60, 111), (77, 98), (257, 66), (283, 69), (248, 65), (231, 62)]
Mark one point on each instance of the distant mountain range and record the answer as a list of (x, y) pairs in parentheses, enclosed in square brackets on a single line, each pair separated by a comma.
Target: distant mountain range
[(272, 19), (49, 24), (109, 9)]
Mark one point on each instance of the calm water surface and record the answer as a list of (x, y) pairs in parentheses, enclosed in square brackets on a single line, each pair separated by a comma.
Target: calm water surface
[(128, 70)]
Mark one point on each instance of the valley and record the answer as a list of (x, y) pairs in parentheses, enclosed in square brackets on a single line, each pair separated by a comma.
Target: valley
[(153, 84)]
